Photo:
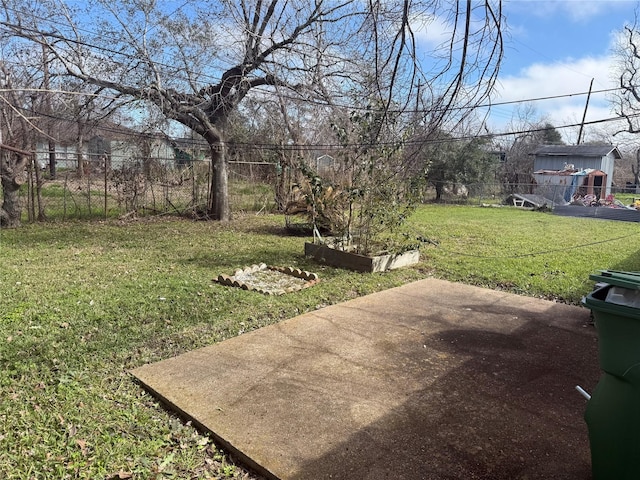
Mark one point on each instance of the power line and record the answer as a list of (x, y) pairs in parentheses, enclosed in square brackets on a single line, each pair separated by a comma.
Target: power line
[(427, 110), (329, 146), (289, 97), (355, 107), (419, 141), (351, 107)]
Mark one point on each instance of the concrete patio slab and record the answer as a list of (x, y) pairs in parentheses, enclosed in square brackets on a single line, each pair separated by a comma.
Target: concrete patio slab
[(431, 380)]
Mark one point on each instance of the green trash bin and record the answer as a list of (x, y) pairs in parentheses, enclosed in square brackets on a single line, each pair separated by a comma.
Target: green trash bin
[(613, 412)]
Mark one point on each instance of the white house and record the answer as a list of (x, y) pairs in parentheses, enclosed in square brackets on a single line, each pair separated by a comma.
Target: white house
[(115, 145)]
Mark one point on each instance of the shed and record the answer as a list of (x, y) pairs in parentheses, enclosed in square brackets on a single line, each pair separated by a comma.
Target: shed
[(560, 158), (561, 186)]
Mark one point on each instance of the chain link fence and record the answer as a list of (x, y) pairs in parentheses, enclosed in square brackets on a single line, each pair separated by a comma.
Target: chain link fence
[(137, 190), (508, 194), (154, 189), (475, 194)]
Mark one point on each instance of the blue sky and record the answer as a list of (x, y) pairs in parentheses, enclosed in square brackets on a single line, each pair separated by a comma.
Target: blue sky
[(554, 48)]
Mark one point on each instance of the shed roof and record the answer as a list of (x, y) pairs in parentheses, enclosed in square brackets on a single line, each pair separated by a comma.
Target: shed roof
[(577, 150)]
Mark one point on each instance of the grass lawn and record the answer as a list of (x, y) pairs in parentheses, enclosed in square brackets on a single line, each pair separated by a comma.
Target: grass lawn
[(82, 303), (529, 253)]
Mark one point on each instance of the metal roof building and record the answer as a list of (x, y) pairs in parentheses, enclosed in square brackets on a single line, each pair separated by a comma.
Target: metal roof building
[(578, 157)]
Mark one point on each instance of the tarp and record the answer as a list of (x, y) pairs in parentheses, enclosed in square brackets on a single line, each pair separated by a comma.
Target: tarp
[(576, 182)]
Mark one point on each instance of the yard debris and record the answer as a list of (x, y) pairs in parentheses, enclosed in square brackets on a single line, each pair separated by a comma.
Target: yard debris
[(609, 201), (607, 209), (528, 201)]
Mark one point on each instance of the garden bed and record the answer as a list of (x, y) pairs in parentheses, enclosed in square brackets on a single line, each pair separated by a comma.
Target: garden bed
[(360, 263)]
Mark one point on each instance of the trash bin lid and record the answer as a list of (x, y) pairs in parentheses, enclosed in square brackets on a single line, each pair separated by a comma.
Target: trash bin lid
[(630, 280)]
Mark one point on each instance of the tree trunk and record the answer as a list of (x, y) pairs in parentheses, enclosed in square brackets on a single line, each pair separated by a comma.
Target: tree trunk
[(80, 156), (12, 176), (439, 188), (283, 182), (11, 208), (218, 207), (38, 187), (49, 111), (636, 172), (52, 159)]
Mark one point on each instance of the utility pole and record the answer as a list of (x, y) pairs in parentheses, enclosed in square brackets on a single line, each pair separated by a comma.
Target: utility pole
[(584, 115)]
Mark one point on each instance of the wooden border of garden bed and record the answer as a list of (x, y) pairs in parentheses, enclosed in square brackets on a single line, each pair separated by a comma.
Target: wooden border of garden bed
[(360, 263)]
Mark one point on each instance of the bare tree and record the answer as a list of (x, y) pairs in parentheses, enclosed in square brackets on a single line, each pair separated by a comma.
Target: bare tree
[(528, 130), (198, 65), (13, 162), (69, 113), (626, 100), (14, 157), (635, 169)]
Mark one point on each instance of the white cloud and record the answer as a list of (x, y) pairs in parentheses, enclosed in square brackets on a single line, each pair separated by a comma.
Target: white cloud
[(563, 44), (557, 78), (564, 80), (579, 11), (430, 31)]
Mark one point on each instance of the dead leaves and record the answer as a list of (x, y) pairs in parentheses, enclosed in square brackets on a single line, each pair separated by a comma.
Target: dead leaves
[(83, 446), (121, 475)]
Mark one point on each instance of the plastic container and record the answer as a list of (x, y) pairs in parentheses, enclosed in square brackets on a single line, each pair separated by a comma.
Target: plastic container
[(612, 417), (613, 411), (618, 335)]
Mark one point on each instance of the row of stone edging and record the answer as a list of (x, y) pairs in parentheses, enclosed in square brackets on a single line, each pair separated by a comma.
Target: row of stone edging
[(232, 281), (296, 272)]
